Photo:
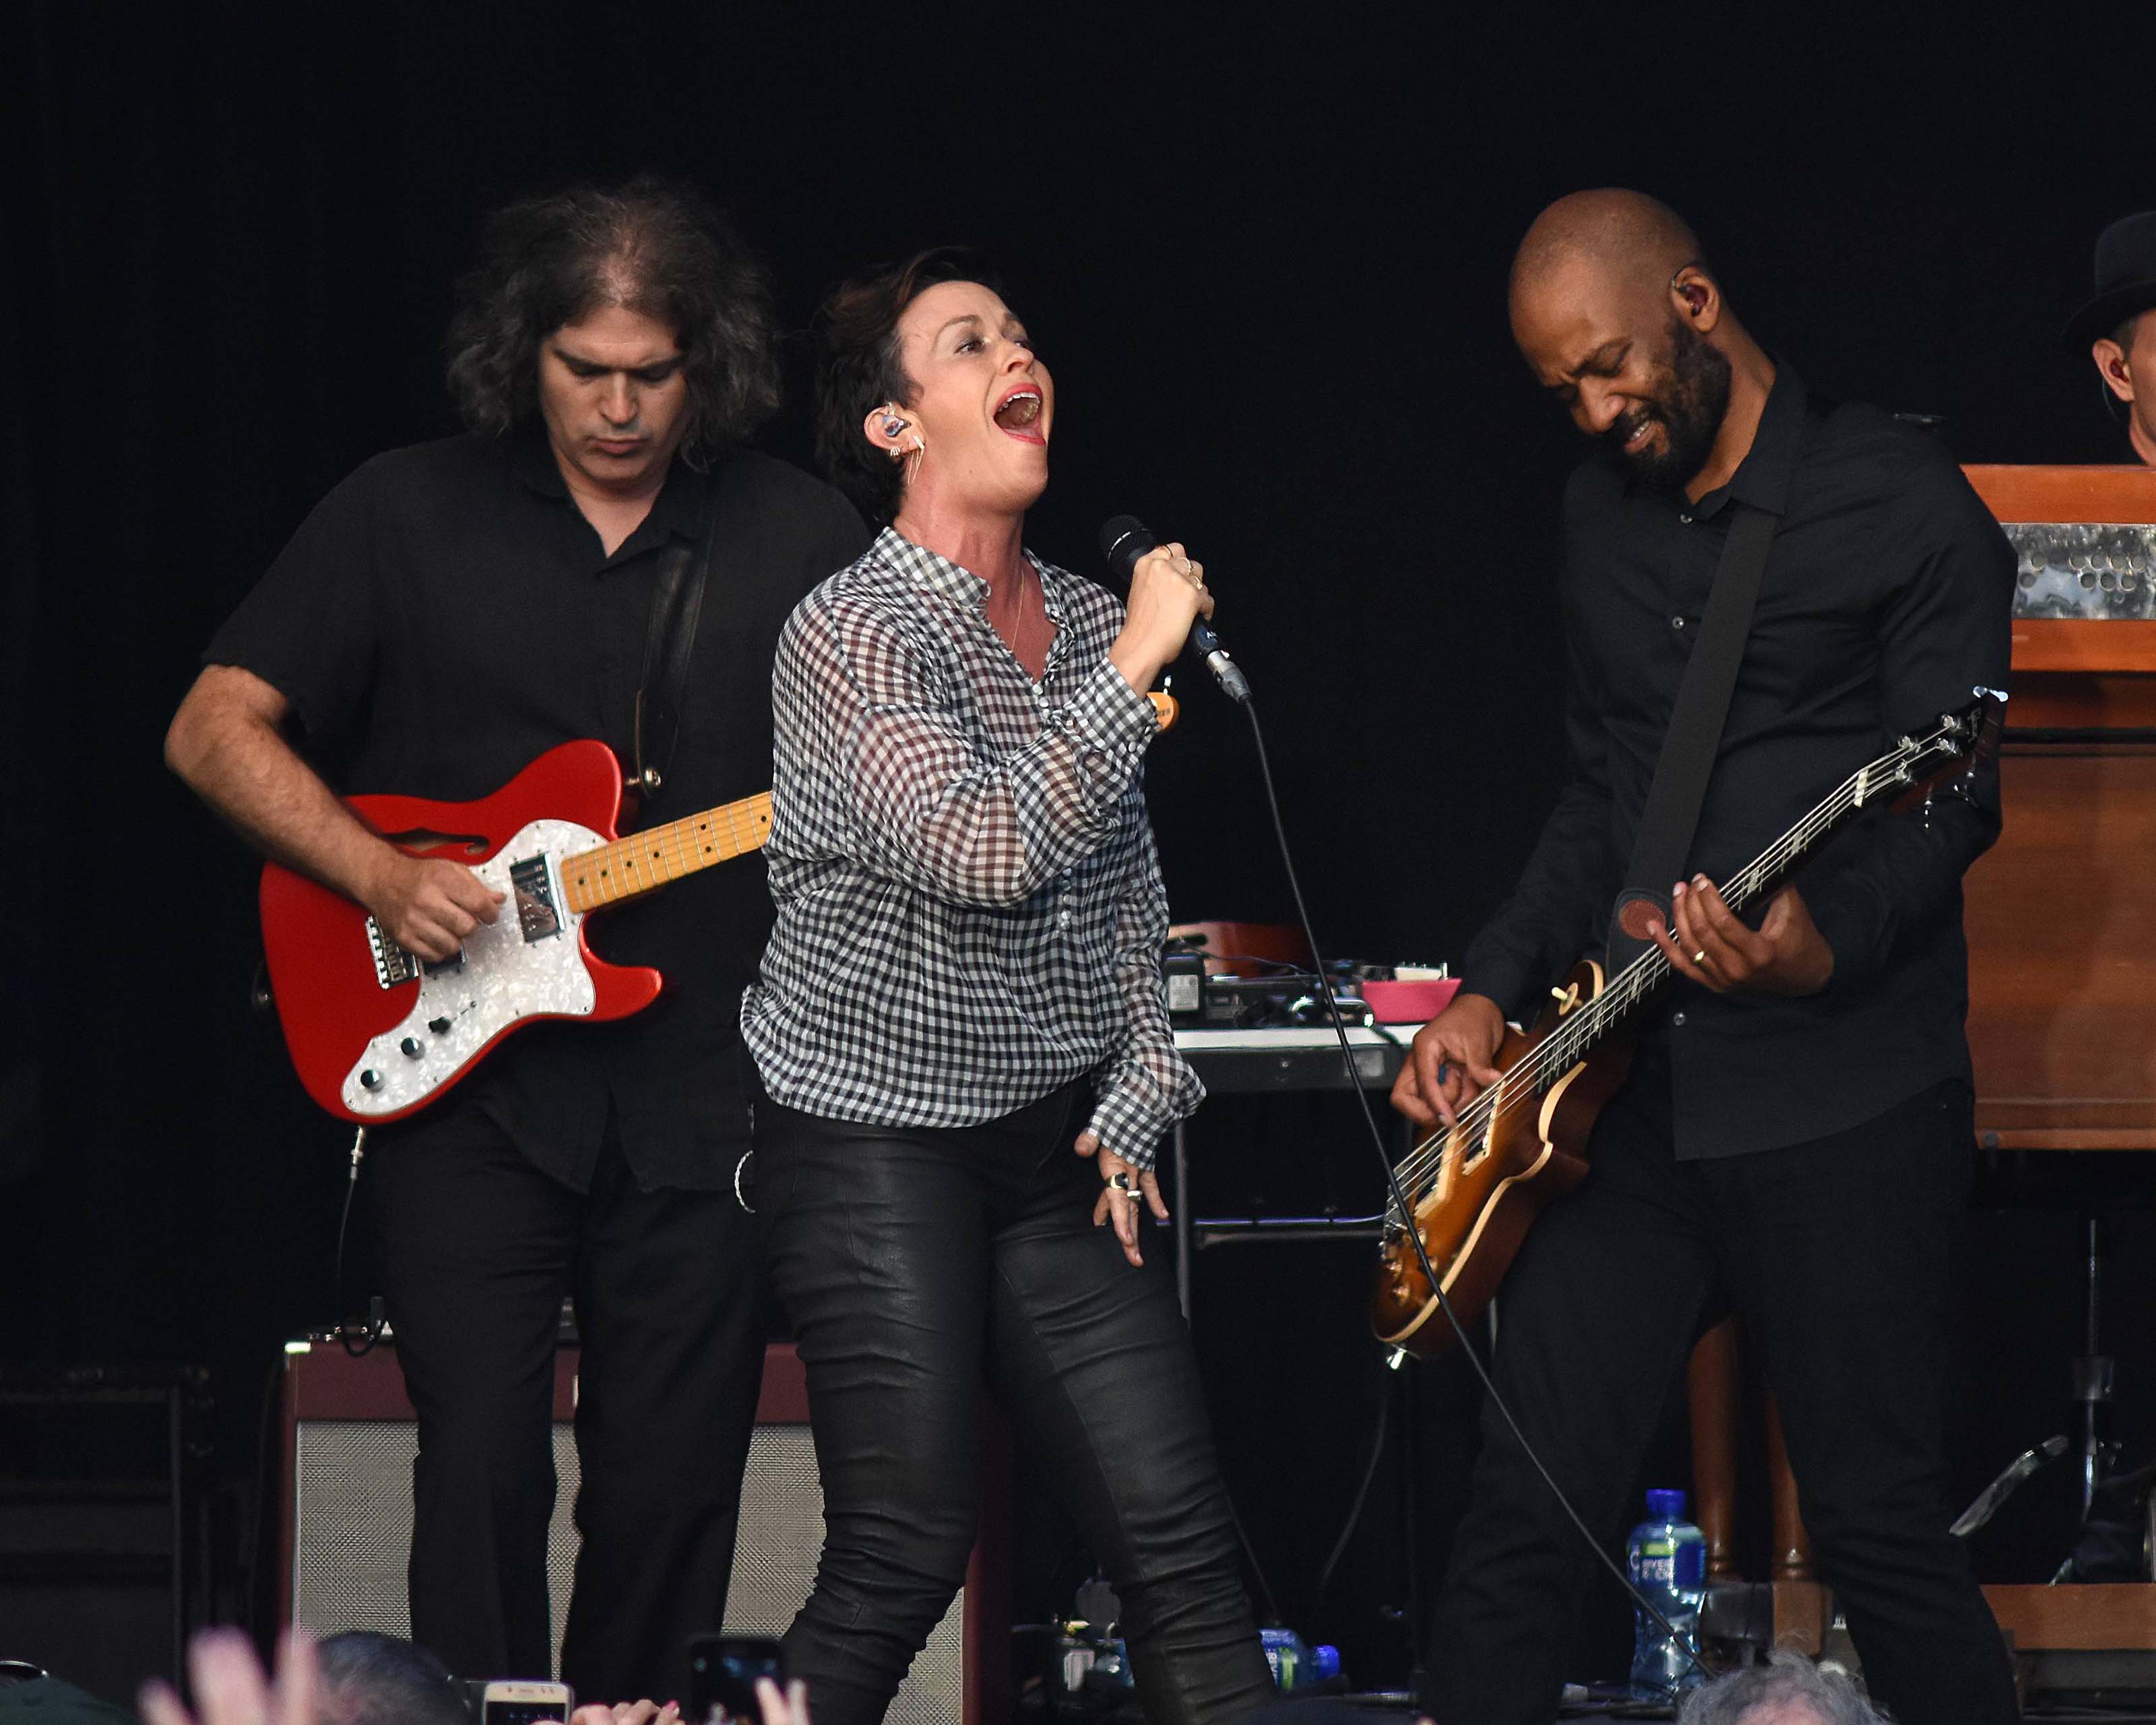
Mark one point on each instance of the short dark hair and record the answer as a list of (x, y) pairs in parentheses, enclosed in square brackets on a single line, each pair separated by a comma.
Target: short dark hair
[(657, 246), (370, 1679), (858, 366), (2124, 334)]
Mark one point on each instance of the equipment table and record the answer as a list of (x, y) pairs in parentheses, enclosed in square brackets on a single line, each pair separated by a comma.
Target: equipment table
[(1294, 1058)]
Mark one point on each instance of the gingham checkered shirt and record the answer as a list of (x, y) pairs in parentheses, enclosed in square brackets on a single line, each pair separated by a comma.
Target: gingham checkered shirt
[(970, 907)]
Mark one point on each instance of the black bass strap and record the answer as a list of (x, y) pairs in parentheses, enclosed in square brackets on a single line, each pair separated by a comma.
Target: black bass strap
[(1662, 845)]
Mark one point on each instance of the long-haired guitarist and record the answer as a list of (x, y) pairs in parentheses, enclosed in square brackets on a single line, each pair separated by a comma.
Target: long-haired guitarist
[(961, 1025), (1795, 1138), (446, 613)]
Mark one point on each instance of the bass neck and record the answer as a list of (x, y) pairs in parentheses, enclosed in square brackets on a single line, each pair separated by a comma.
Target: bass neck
[(1958, 745)]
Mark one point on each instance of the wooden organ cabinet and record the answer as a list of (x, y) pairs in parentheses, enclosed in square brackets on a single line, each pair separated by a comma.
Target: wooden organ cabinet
[(2061, 921)]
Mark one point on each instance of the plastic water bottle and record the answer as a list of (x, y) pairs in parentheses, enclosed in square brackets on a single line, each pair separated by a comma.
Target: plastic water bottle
[(1667, 1557), (1295, 1663)]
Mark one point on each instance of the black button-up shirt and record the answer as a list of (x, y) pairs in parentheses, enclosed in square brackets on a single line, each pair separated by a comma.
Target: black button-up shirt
[(1885, 601), (447, 613)]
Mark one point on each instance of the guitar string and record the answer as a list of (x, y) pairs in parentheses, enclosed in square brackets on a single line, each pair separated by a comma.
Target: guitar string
[(1558, 1053), (1567, 1045)]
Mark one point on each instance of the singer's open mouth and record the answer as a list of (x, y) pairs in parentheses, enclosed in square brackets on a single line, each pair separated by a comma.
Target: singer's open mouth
[(1019, 412)]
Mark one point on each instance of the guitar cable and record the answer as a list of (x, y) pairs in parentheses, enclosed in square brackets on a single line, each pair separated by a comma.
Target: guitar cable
[(358, 1339), (1401, 1209)]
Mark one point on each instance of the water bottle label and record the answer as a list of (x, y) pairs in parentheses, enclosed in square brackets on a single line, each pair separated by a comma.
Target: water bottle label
[(1654, 1562), (1659, 1562)]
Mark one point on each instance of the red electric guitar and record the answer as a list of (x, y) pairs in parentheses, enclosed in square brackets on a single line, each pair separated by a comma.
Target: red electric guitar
[(377, 1032)]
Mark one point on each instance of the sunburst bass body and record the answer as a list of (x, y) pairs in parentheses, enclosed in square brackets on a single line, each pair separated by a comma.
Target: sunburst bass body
[(1478, 1187)]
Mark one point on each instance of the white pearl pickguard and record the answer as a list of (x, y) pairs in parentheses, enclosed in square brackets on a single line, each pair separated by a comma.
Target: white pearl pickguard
[(503, 980)]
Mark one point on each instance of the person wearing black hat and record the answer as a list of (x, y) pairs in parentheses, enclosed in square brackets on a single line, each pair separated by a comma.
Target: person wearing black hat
[(2114, 328)]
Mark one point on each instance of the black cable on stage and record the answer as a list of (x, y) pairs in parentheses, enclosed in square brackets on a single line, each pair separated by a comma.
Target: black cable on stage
[(1401, 1209), (357, 1339), (1362, 1491)]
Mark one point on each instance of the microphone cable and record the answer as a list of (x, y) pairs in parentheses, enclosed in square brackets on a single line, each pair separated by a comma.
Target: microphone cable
[(1401, 1209)]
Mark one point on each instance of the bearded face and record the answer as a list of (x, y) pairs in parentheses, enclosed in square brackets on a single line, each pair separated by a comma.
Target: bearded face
[(1663, 441)]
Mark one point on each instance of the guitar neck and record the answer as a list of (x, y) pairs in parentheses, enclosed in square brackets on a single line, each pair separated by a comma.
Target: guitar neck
[(627, 868), (1631, 987)]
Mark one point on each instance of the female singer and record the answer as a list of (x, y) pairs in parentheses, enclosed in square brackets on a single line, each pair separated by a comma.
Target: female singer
[(959, 1023)]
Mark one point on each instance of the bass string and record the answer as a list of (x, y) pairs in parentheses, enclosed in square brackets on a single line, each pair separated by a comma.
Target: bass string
[(1568, 1044), (1564, 1048)]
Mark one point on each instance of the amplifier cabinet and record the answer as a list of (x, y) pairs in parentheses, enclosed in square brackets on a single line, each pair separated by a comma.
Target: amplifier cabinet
[(349, 1440)]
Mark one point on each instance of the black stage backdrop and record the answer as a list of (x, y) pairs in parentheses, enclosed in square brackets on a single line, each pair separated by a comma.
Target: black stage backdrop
[(1265, 256)]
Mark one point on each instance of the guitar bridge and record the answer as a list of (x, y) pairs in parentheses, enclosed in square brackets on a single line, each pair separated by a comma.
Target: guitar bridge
[(392, 965)]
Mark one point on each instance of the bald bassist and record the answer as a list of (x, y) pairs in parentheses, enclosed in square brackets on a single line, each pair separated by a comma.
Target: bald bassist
[(1792, 1137)]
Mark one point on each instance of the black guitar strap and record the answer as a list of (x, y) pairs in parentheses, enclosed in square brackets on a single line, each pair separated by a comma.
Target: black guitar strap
[(1663, 842), (677, 603)]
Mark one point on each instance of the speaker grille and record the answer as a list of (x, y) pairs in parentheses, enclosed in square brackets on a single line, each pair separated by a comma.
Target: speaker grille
[(352, 1537)]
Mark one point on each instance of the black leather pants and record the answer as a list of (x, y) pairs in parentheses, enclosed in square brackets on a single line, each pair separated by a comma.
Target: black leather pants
[(917, 1262)]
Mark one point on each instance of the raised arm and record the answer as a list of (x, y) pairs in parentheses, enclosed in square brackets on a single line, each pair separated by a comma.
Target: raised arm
[(873, 748)]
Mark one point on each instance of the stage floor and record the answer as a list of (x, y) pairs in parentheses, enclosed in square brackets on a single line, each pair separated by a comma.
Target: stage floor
[(1392, 1710)]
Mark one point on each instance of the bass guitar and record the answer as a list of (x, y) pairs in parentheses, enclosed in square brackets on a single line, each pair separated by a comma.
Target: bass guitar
[(377, 1032), (1473, 1189)]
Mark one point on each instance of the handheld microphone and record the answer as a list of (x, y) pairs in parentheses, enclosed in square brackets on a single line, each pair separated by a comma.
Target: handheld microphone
[(1126, 539)]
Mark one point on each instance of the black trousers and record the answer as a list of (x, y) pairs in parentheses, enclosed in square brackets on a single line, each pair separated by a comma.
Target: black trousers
[(1839, 1255), (917, 1265), (479, 1248)]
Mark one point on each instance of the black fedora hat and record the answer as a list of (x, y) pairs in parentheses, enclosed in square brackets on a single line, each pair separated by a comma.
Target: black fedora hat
[(2125, 279)]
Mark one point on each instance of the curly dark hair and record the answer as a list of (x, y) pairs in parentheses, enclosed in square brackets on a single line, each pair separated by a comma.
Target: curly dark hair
[(657, 246), (858, 367)]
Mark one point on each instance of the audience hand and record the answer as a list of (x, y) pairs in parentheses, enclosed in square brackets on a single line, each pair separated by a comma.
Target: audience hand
[(626, 1712), (791, 1708), (229, 1686)]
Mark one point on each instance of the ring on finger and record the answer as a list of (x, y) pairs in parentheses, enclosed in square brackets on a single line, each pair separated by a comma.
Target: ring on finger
[(1121, 1183), (1699, 956)]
